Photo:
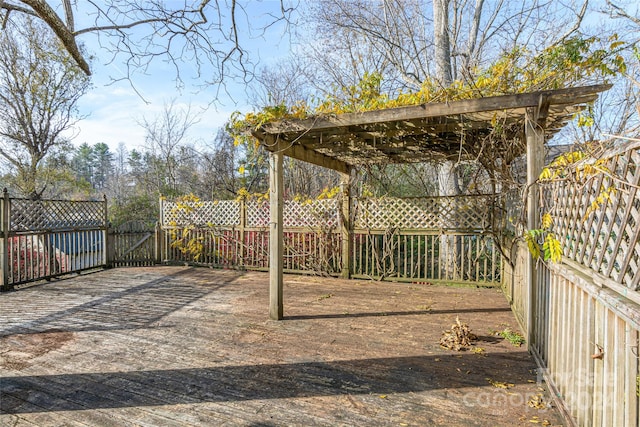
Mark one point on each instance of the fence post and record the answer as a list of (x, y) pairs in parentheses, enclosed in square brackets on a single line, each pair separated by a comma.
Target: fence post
[(243, 225), (4, 242), (345, 225), (534, 135), (158, 232), (158, 243), (276, 245), (107, 257)]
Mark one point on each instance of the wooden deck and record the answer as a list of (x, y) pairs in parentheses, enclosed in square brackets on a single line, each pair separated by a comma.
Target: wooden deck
[(176, 346)]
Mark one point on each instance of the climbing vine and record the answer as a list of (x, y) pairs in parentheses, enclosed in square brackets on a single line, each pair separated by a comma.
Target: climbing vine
[(576, 60)]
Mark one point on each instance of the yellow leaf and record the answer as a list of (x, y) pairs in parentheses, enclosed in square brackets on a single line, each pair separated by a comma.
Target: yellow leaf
[(552, 248), (241, 170), (500, 384), (547, 220), (532, 244), (546, 174)]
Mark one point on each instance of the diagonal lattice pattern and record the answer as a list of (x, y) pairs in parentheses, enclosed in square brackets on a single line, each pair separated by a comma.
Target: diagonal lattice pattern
[(37, 215), (258, 213), (316, 213), (217, 212), (602, 233), (434, 213), (313, 214)]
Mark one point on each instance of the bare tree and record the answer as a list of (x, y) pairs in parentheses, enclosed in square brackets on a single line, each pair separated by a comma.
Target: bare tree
[(628, 14), (195, 31), (413, 40), (39, 90), (166, 144)]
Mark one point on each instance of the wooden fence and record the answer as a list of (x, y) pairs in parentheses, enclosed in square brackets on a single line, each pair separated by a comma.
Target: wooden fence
[(43, 239), (586, 309), (408, 239)]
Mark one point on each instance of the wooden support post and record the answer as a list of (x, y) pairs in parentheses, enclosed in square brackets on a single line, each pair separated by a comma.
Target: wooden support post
[(241, 252), (107, 242), (345, 224), (534, 134), (275, 236), (4, 241), (159, 236)]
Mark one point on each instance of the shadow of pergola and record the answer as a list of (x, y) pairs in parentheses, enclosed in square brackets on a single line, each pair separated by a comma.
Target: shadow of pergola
[(132, 307), (369, 376)]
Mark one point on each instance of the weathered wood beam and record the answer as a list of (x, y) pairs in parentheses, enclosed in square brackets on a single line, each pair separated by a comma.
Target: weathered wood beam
[(276, 244), (494, 103), (300, 152), (5, 222), (534, 135)]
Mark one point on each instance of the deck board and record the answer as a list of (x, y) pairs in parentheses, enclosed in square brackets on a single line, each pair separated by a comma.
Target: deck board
[(176, 346)]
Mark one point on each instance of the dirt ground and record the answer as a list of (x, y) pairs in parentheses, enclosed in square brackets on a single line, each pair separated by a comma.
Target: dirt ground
[(186, 346)]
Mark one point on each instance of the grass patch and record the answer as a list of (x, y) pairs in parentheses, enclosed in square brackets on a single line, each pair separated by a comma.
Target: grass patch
[(513, 337)]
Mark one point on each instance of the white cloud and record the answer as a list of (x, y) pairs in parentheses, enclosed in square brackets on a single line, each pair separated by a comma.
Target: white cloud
[(113, 114)]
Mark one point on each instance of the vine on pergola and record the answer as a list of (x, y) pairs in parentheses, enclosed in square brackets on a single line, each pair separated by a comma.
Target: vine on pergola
[(576, 61)]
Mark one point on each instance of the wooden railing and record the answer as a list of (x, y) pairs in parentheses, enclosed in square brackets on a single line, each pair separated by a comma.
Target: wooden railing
[(412, 239), (586, 309), (42, 239)]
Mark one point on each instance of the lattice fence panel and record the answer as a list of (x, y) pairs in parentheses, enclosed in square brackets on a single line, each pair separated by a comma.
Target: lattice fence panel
[(603, 235), (312, 214), (315, 214), (258, 213), (201, 214), (435, 213), (35, 215)]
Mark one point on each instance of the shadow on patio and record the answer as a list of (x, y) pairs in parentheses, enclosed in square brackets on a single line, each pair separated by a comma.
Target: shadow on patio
[(108, 305), (186, 346), (379, 376)]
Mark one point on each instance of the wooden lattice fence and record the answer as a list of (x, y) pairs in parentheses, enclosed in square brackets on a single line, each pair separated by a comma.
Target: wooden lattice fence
[(602, 235), (42, 239), (390, 238), (586, 309)]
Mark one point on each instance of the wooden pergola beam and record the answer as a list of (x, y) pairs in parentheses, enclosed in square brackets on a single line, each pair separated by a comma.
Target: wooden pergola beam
[(567, 96), (301, 152)]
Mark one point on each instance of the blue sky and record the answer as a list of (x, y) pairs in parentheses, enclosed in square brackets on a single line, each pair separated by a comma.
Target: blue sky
[(113, 110)]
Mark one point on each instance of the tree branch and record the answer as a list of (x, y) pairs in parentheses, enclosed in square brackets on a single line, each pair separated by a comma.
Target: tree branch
[(49, 16)]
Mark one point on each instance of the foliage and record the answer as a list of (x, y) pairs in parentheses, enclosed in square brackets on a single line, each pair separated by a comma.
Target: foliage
[(579, 166), (551, 249), (244, 194), (39, 90), (573, 61), (143, 207), (183, 237), (513, 337)]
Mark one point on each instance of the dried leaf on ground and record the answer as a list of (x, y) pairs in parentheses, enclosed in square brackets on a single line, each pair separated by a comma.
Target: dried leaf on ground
[(500, 384), (458, 337), (537, 402)]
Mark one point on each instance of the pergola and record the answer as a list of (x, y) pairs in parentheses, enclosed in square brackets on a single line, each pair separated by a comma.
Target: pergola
[(441, 131)]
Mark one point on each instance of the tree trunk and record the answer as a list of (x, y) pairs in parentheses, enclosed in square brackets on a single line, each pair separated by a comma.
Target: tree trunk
[(442, 42)]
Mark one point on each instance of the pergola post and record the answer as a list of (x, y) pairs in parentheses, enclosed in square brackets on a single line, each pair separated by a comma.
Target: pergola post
[(345, 224), (275, 235), (534, 134)]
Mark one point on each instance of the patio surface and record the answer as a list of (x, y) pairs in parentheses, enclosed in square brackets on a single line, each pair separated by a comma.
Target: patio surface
[(176, 346)]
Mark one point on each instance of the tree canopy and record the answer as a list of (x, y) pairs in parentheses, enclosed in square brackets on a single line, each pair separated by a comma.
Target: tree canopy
[(39, 90)]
